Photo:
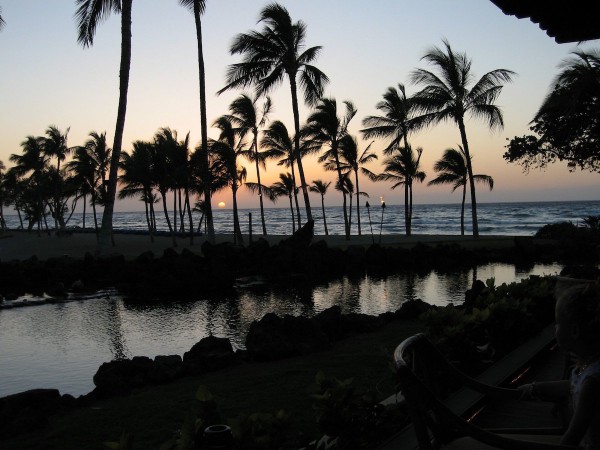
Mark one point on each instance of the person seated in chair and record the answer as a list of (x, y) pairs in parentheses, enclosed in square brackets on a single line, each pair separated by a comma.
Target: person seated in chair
[(578, 333)]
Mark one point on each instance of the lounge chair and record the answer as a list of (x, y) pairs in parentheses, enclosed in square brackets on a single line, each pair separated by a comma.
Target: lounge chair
[(424, 377)]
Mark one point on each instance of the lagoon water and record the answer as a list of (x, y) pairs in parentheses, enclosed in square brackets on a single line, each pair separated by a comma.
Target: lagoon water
[(62, 345)]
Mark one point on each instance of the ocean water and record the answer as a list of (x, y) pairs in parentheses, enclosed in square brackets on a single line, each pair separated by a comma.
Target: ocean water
[(517, 219)]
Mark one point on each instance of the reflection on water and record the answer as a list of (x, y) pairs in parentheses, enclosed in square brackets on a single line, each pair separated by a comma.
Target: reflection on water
[(62, 345)]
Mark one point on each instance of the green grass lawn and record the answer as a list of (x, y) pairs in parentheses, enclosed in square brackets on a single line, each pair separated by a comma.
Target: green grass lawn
[(152, 414)]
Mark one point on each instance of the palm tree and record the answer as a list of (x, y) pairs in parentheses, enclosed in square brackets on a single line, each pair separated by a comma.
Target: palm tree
[(198, 7), (227, 149), (320, 187), (399, 119), (12, 191), (55, 145), (325, 130), (244, 115), (578, 80), (33, 162), (351, 160), (84, 174), (450, 96), (271, 55), (278, 144), (166, 171), (137, 179), (285, 186), (89, 14), (2, 22), (403, 169), (452, 169)]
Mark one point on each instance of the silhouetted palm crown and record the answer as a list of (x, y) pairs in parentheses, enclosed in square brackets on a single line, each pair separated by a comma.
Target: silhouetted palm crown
[(399, 119), (447, 96), (273, 53)]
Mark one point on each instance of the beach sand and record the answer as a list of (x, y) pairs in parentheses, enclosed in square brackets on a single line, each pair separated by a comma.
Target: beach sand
[(19, 245)]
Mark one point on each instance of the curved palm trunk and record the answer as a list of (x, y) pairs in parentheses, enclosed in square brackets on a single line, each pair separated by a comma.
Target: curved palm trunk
[(204, 127), (357, 202), (237, 232), (297, 155), (296, 197), (260, 190), (107, 216), (462, 210), (166, 211), (189, 211), (324, 219), (463, 136), (293, 218), (20, 217), (146, 210), (174, 230)]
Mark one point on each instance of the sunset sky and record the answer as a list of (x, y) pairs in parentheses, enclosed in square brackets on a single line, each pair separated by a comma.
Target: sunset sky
[(48, 79)]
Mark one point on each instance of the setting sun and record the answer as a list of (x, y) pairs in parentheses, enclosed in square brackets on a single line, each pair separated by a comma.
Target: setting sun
[(221, 205)]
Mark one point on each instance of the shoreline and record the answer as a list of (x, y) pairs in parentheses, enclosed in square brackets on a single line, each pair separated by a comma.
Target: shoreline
[(22, 245)]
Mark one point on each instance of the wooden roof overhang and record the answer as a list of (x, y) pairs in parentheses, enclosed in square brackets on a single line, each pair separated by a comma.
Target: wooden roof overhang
[(572, 21)]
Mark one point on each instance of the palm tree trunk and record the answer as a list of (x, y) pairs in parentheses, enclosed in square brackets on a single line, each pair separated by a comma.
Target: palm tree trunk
[(260, 193), (107, 215), (410, 208), (293, 218), (204, 127), (406, 217), (20, 218), (296, 195), (463, 136), (297, 154), (189, 211), (324, 220), (357, 202), (84, 206), (174, 230), (462, 210), (237, 232), (146, 209), (94, 213), (166, 211)]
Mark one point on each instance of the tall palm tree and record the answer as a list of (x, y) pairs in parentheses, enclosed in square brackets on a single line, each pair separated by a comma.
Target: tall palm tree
[(451, 96), (452, 169), (351, 160), (89, 14), (398, 119), (403, 169), (279, 145), (245, 116), (227, 149), (320, 187), (270, 55), (197, 7), (325, 130)]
